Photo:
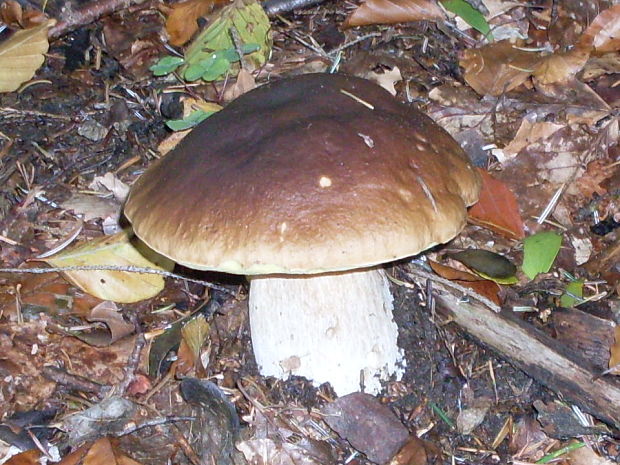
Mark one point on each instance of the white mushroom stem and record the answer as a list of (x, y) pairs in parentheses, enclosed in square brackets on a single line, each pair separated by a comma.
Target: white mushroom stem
[(335, 328)]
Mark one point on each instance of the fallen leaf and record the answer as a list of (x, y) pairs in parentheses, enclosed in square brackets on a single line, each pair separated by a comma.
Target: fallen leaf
[(492, 265), (386, 79), (29, 457), (597, 172), (117, 286), (560, 67), (498, 67), (470, 15), (539, 252), (92, 207), (245, 82), (103, 452), (182, 22), (394, 11), (109, 182), (108, 313), (415, 452), (497, 208), (213, 52), (586, 456), (603, 34), (267, 451), (469, 418), (528, 133), (484, 287), (194, 334), (21, 55), (12, 14), (572, 295)]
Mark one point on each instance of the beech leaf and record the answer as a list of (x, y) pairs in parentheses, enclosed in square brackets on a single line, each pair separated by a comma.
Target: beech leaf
[(484, 287), (498, 67), (117, 286), (539, 252), (21, 55), (394, 11), (182, 23), (497, 208)]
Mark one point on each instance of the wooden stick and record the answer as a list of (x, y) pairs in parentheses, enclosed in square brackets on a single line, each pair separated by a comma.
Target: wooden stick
[(540, 356)]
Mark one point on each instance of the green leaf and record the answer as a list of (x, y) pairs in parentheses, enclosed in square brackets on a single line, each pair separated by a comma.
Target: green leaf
[(573, 294), (166, 65), (250, 24), (217, 70), (196, 70), (470, 15), (539, 252), (189, 122), (492, 265)]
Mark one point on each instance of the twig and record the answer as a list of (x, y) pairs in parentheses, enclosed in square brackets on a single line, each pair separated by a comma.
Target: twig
[(132, 363), (277, 7), (74, 382), (73, 19), (128, 269)]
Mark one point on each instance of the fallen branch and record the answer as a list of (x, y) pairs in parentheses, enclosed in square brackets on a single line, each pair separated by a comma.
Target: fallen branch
[(92, 11), (540, 356)]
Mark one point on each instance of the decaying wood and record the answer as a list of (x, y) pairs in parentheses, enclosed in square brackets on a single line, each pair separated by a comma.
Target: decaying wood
[(537, 354)]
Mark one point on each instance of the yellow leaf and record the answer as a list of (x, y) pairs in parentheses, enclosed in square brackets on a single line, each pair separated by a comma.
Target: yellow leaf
[(21, 55), (117, 286)]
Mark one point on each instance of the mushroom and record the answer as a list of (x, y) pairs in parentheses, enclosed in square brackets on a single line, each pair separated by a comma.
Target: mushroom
[(307, 186)]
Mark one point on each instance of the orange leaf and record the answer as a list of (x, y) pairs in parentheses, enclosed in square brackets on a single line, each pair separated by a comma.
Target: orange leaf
[(182, 23), (394, 11), (452, 273), (484, 287), (497, 208)]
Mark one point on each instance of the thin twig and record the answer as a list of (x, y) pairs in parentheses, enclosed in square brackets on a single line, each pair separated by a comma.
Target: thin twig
[(128, 269)]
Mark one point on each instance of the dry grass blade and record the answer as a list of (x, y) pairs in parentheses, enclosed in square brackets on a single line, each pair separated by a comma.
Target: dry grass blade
[(21, 55)]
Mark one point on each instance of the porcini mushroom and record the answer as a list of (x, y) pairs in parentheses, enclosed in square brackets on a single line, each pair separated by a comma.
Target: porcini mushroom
[(307, 185)]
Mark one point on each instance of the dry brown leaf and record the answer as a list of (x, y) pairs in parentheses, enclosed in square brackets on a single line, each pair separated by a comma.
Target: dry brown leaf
[(484, 287), (245, 82), (586, 456), (21, 55), (394, 11), (597, 172), (108, 312), (497, 208), (12, 13), (29, 457), (497, 68), (387, 79), (603, 34), (529, 132), (413, 453), (103, 452), (561, 67), (182, 23)]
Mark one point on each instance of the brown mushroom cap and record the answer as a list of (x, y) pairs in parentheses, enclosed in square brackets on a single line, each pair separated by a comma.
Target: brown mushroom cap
[(305, 175)]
